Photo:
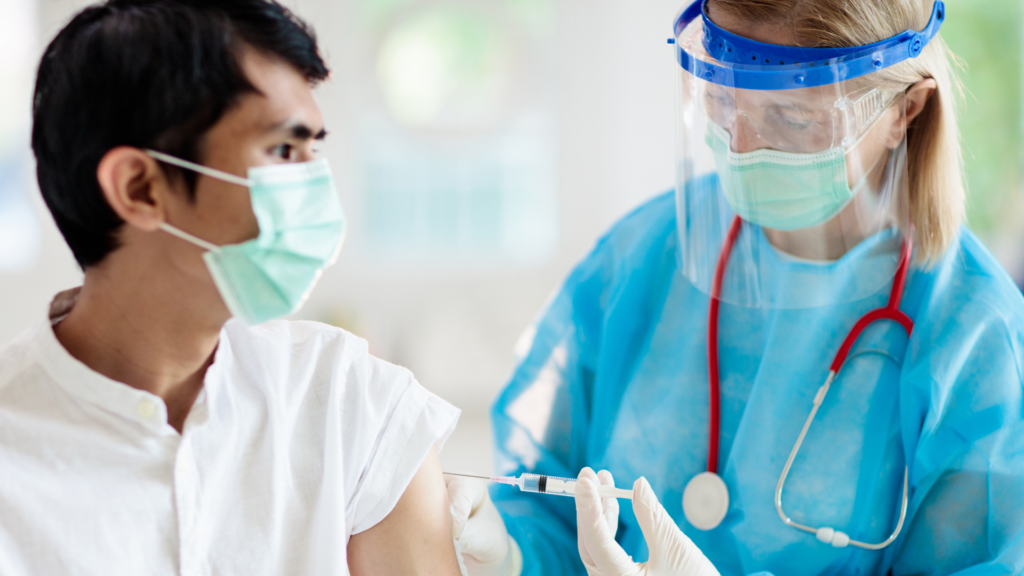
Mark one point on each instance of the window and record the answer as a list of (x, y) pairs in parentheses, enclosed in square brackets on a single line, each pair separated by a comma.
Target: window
[(454, 140), (19, 229)]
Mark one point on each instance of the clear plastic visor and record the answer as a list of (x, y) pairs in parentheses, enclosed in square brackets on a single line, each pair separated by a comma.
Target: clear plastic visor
[(812, 182)]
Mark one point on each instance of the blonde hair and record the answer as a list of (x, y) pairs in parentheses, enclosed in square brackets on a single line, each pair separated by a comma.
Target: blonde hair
[(934, 159)]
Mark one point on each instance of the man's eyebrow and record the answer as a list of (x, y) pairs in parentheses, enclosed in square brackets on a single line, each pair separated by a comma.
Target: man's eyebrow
[(301, 131)]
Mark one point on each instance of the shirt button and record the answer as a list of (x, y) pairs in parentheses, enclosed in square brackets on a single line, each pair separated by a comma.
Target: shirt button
[(147, 409)]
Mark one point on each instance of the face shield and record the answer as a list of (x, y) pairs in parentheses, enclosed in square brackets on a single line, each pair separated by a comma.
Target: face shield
[(791, 162)]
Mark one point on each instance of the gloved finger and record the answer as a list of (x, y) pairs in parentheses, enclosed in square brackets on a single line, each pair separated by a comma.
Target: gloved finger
[(458, 556), (484, 538), (588, 474), (587, 509), (611, 505), (605, 553), (482, 546), (464, 497)]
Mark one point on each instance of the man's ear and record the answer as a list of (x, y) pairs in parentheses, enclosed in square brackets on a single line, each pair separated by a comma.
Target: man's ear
[(134, 186), (914, 101)]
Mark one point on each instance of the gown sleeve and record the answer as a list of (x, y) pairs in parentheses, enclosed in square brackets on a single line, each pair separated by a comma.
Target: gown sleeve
[(963, 420), (571, 370), (540, 423)]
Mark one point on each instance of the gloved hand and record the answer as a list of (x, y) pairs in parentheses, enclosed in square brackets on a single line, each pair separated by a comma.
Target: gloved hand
[(479, 531), (671, 552)]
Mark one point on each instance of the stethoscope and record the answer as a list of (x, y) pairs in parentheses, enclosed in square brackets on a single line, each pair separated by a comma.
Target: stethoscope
[(706, 497)]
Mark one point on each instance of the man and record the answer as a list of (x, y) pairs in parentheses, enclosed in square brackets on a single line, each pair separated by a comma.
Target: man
[(144, 431)]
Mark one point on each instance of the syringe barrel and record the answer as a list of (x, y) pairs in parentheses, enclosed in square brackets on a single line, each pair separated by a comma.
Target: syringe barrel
[(539, 483), (559, 486)]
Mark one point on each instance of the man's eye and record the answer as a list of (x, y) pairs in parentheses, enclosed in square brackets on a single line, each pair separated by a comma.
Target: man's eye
[(284, 151)]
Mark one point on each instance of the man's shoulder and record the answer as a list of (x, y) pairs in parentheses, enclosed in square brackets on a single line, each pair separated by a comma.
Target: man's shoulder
[(293, 335), (17, 358), (303, 350)]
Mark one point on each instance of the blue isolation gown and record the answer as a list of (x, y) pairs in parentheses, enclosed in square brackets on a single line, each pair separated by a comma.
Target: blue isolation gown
[(613, 375)]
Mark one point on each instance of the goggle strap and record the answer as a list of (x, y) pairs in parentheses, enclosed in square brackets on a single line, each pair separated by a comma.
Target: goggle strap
[(871, 106), (204, 170), (868, 107)]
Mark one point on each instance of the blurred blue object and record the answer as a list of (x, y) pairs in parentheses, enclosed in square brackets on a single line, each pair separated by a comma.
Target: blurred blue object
[(615, 377), (19, 229)]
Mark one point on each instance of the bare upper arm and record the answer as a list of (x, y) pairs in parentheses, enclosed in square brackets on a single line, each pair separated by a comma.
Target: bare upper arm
[(416, 537)]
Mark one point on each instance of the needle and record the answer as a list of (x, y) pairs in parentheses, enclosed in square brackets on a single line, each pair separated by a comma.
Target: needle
[(468, 475)]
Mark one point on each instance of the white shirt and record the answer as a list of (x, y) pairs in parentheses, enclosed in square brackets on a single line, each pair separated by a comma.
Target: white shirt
[(298, 440)]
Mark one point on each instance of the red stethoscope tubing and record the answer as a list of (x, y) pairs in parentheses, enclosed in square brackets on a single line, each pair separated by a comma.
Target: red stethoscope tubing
[(891, 312)]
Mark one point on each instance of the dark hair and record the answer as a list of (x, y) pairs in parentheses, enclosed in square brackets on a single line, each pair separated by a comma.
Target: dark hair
[(150, 74)]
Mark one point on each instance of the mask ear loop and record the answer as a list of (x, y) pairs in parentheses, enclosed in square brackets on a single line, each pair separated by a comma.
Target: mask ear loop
[(189, 238), (204, 170), (207, 171)]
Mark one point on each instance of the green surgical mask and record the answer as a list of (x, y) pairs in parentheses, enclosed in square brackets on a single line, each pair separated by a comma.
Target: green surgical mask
[(302, 227), (781, 190)]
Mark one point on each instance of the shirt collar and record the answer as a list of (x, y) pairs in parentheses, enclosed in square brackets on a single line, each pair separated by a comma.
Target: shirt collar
[(144, 408)]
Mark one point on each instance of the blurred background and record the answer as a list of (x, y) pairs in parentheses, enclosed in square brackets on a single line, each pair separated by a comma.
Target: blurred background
[(481, 147)]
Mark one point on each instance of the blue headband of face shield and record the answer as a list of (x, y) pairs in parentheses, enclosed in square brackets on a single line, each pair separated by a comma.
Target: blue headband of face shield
[(752, 65)]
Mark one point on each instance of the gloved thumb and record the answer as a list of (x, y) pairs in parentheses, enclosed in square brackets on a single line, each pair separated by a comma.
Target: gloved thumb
[(670, 548), (654, 521), (463, 497)]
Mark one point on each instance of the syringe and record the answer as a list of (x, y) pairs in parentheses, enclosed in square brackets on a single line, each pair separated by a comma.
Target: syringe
[(550, 485)]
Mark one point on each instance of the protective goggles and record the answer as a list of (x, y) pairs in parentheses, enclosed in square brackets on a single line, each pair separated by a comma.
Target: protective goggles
[(804, 121)]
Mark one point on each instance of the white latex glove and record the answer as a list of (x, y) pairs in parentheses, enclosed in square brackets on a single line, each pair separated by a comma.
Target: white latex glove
[(479, 531), (671, 552)]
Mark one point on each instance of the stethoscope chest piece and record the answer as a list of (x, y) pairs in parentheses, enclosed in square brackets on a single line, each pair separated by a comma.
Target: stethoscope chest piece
[(705, 501)]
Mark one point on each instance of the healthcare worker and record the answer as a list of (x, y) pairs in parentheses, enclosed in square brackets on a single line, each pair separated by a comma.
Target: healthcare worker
[(814, 365)]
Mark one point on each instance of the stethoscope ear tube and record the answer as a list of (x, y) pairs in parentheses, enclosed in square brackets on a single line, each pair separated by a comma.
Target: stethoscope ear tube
[(827, 534)]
